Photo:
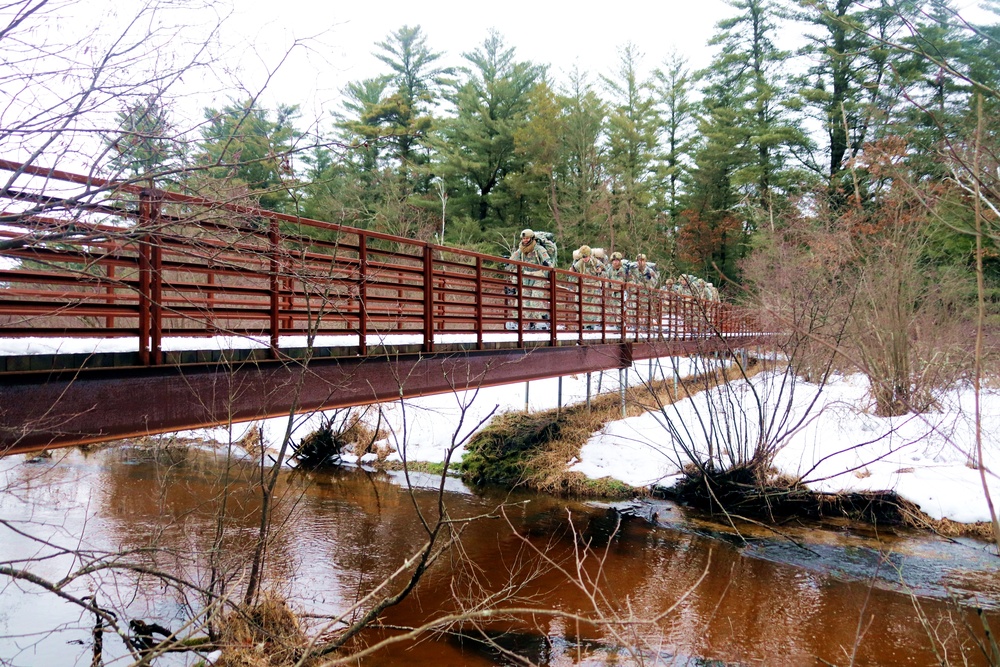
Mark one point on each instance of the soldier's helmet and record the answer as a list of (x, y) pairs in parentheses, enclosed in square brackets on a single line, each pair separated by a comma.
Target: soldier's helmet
[(585, 251), (616, 255), (640, 257), (527, 234)]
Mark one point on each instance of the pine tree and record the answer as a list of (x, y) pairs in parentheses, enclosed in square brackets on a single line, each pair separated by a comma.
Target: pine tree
[(477, 146), (581, 187), (673, 87), (404, 116), (242, 146), (850, 85), (144, 147), (747, 135), (632, 146), (537, 142)]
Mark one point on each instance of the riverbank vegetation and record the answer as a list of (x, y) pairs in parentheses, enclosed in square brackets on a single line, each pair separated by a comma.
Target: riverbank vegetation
[(535, 450)]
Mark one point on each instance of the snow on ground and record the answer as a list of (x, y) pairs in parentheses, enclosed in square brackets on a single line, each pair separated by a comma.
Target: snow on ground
[(423, 429), (838, 444)]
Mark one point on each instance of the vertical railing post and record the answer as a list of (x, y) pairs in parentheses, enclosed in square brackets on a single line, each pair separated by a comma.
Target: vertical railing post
[(623, 310), (144, 296), (210, 282), (552, 307), (659, 315), (150, 282), (605, 292), (649, 313), (520, 306), (428, 299), (362, 294), (675, 318), (479, 302), (274, 310), (156, 296), (109, 290)]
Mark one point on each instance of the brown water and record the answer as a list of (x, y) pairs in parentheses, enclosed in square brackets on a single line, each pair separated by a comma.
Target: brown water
[(810, 596)]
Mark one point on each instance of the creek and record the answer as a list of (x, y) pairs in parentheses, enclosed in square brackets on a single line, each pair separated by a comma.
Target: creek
[(740, 595)]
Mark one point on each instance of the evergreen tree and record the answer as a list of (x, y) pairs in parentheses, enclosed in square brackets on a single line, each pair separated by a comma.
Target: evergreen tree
[(144, 147), (404, 116), (850, 85), (632, 146), (741, 173), (477, 147), (368, 153), (942, 62), (244, 147), (580, 185), (672, 84), (537, 143)]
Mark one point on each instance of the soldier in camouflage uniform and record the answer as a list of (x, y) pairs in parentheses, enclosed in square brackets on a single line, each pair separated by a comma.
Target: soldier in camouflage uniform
[(589, 265), (643, 274), (529, 250), (616, 270), (696, 287)]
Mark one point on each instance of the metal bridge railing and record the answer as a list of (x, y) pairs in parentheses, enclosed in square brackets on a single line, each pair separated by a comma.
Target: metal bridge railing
[(80, 256)]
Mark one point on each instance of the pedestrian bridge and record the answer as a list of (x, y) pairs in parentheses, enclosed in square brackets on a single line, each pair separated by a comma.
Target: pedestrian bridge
[(127, 311)]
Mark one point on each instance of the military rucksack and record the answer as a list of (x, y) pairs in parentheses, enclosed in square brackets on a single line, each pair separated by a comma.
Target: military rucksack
[(547, 241)]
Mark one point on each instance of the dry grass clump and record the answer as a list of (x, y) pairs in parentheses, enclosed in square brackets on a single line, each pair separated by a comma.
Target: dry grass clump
[(948, 528), (359, 433), (252, 441), (265, 635), (326, 444)]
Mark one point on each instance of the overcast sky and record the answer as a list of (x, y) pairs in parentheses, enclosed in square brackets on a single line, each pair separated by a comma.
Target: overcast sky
[(342, 36)]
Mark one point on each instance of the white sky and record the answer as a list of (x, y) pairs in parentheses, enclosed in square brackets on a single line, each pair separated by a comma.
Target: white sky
[(558, 34)]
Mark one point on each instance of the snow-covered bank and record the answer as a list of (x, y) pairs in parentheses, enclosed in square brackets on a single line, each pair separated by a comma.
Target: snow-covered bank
[(424, 429), (841, 445), (838, 445)]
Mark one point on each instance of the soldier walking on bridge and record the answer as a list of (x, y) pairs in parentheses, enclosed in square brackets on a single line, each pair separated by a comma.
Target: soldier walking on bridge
[(642, 273), (589, 265), (529, 250)]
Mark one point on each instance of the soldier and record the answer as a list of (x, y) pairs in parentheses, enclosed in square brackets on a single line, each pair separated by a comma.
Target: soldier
[(588, 264), (642, 274), (529, 250), (617, 270), (696, 287)]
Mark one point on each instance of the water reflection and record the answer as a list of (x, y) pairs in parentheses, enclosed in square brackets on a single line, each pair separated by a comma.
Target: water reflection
[(807, 597)]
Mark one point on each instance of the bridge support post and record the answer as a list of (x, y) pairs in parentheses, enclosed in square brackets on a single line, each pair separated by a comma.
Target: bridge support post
[(527, 394), (622, 385), (588, 391), (559, 398)]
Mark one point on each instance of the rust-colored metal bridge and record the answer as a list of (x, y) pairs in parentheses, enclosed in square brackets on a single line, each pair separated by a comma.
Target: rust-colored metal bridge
[(127, 311)]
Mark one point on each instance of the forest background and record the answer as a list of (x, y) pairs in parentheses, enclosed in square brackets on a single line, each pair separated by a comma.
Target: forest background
[(694, 168)]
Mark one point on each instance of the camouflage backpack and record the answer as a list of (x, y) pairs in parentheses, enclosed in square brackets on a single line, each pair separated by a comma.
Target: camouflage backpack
[(547, 241)]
